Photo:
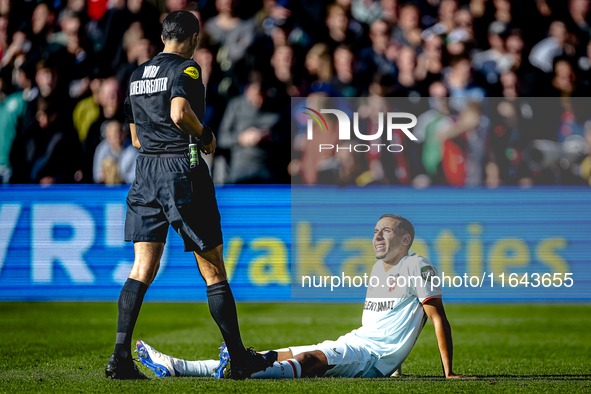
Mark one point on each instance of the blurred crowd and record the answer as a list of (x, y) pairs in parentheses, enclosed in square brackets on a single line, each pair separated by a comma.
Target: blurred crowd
[(473, 71)]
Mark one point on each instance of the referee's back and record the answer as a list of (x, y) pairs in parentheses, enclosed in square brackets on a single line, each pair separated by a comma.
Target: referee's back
[(152, 86)]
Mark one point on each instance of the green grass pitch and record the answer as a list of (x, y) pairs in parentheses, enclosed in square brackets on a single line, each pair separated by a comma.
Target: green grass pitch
[(56, 347)]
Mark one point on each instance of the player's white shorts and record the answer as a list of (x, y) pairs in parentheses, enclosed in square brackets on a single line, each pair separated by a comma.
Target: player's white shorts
[(351, 359)]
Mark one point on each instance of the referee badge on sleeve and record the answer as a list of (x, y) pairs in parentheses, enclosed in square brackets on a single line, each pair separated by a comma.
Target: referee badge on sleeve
[(192, 72)]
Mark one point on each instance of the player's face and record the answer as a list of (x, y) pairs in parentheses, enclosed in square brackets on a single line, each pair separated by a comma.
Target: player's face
[(387, 239)]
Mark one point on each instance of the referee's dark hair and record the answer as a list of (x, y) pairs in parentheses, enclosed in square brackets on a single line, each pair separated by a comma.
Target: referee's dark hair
[(179, 25), (404, 224)]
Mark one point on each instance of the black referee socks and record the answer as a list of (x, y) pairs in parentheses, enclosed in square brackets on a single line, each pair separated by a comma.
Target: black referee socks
[(130, 302), (223, 310)]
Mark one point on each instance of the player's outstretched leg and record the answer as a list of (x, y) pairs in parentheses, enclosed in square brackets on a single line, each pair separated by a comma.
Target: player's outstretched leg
[(166, 366), (223, 310), (145, 266), (308, 364), (225, 368), (282, 365), (160, 363)]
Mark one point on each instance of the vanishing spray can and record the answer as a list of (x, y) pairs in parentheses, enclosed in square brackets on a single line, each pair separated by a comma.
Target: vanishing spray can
[(194, 155)]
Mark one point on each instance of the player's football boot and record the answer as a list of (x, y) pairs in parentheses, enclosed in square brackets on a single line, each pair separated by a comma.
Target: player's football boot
[(255, 362), (161, 364), (219, 372), (123, 369)]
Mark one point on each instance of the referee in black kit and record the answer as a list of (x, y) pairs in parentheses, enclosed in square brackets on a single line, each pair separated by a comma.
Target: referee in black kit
[(164, 109)]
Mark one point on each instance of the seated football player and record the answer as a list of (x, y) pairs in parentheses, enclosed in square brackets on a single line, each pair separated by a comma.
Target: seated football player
[(394, 314)]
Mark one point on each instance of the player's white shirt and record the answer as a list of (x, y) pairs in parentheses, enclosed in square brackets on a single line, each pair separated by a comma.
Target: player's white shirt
[(393, 316)]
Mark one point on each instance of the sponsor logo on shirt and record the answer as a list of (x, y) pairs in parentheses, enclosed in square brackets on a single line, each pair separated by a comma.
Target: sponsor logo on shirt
[(192, 72), (379, 306)]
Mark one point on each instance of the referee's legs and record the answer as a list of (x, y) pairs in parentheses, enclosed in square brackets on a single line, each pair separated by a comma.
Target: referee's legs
[(143, 272), (221, 301)]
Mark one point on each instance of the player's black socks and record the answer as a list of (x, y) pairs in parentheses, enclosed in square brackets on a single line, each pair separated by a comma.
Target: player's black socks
[(223, 310), (130, 302)]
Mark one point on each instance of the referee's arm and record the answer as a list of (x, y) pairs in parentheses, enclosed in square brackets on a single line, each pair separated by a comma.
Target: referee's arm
[(134, 140), (185, 119), (128, 110)]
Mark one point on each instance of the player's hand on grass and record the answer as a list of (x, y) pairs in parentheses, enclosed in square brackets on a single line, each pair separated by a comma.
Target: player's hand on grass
[(454, 376), (207, 149)]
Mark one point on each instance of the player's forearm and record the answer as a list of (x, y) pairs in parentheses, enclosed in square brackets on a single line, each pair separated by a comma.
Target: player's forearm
[(444, 341)]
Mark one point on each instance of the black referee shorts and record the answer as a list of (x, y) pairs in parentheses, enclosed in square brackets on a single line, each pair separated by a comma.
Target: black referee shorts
[(166, 193)]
